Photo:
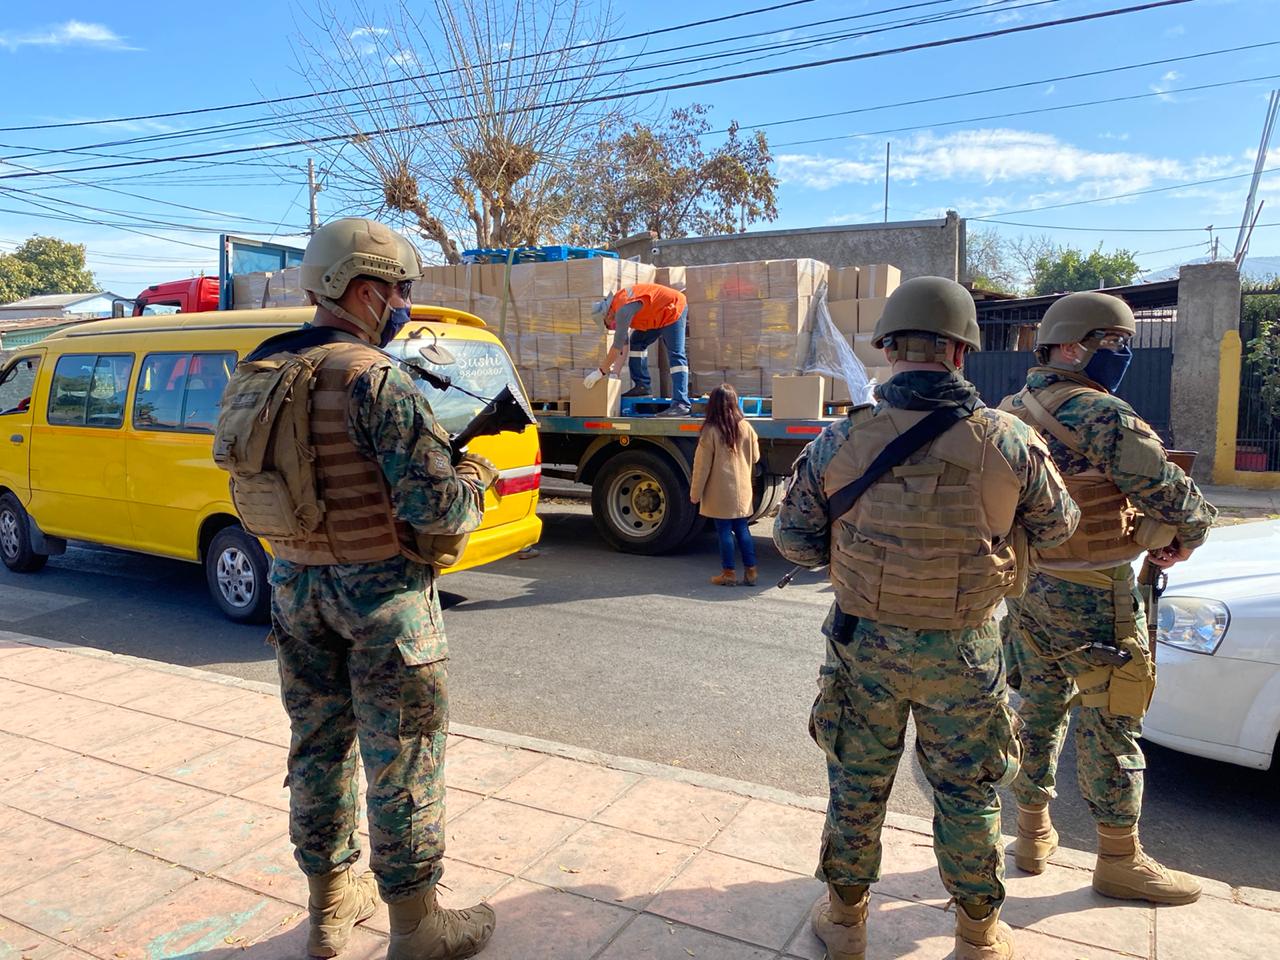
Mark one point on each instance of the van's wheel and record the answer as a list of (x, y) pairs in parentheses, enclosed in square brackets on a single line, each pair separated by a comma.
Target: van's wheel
[(640, 503), (235, 566), (15, 538)]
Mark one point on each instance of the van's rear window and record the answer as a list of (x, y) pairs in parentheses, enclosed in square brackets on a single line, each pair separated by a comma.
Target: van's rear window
[(483, 368)]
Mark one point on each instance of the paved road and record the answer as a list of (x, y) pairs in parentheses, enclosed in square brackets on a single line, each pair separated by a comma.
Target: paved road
[(634, 656)]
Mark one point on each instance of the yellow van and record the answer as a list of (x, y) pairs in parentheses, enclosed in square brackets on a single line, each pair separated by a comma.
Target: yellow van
[(106, 436)]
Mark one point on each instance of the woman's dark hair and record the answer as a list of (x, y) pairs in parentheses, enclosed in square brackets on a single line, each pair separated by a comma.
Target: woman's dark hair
[(724, 414)]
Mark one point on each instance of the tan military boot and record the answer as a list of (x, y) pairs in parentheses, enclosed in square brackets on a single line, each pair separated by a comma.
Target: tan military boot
[(337, 903), (840, 921), (986, 939), (727, 578), (422, 930), (1037, 840), (750, 576), (1125, 872)]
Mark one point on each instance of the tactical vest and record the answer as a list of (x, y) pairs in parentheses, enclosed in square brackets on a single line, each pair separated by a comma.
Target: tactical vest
[(341, 503), (930, 545), (1106, 536), (661, 306)]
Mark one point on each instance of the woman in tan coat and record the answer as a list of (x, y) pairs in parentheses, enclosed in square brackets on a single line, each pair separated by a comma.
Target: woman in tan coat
[(721, 485)]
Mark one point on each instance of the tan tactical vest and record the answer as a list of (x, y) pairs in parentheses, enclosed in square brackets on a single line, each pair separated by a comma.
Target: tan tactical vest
[(930, 545), (1108, 521), (352, 519)]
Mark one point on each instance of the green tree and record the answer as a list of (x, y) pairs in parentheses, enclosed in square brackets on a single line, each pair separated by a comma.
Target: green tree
[(1262, 352), (44, 265), (665, 178), (1068, 269)]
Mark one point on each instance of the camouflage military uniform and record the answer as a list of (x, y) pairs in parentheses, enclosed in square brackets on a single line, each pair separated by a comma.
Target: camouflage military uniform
[(1062, 613), (951, 681), (362, 656)]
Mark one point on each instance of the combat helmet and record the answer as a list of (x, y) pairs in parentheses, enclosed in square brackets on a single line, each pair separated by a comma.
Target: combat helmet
[(351, 247), (922, 315), (1072, 318)]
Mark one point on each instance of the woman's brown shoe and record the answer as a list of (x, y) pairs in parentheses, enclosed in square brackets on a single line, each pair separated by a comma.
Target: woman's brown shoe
[(727, 578)]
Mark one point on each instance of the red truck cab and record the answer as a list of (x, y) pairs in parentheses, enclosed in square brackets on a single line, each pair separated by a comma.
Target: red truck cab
[(195, 295)]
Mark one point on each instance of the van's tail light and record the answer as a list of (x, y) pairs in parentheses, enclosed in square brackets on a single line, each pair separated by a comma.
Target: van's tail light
[(519, 479)]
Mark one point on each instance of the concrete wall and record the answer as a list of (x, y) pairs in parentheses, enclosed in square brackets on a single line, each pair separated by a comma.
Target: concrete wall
[(1208, 307), (916, 247)]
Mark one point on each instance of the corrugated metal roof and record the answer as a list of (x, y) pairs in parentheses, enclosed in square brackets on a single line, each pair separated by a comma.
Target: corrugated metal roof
[(55, 300), (35, 323)]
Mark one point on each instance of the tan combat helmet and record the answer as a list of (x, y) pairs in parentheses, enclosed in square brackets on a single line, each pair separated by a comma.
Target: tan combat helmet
[(1072, 318), (922, 315), (354, 247)]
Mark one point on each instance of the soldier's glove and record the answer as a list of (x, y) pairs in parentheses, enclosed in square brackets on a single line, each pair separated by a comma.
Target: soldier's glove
[(477, 468)]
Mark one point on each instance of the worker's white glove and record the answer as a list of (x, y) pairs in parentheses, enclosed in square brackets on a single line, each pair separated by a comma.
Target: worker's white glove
[(592, 378)]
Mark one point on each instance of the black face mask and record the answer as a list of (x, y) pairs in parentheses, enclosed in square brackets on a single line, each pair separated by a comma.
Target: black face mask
[(1108, 367)]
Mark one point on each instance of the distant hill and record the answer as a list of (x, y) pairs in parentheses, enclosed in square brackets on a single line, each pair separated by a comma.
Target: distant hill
[(1255, 268)]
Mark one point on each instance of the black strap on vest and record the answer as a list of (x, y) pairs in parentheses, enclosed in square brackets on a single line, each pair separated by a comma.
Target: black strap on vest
[(898, 449)]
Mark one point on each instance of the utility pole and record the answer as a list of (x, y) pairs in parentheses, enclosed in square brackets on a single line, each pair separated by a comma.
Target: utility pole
[(886, 182), (312, 190)]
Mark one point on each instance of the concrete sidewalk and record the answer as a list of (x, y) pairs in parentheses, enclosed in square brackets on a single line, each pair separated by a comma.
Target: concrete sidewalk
[(143, 817)]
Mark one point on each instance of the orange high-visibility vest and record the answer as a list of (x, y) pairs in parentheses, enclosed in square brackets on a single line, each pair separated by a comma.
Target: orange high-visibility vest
[(662, 305)]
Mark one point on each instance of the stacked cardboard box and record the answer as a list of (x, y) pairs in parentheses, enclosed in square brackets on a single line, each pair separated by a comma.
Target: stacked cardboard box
[(542, 310), (746, 321), (855, 299)]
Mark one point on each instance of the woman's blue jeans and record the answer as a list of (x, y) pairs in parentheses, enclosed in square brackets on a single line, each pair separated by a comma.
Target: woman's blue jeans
[(729, 531)]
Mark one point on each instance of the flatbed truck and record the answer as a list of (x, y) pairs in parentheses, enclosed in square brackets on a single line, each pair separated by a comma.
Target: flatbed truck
[(639, 468)]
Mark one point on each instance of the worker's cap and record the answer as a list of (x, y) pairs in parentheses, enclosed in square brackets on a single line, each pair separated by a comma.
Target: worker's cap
[(600, 309)]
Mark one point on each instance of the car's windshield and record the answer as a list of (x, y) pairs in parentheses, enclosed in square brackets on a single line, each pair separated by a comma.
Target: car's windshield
[(481, 366)]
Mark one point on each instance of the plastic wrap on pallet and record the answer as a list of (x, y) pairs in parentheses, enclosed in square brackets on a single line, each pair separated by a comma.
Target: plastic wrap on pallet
[(825, 351)]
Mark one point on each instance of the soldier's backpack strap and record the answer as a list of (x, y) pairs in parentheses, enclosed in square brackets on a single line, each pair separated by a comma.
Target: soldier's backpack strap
[(897, 450), (1049, 423)]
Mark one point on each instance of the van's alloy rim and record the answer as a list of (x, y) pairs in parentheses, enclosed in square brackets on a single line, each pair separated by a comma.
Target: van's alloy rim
[(235, 577)]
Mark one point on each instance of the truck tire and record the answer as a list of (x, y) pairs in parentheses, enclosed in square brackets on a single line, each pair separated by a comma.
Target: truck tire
[(15, 538), (235, 567), (766, 495), (640, 503)]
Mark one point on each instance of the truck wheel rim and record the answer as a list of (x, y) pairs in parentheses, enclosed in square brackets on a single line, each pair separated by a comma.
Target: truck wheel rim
[(637, 504), (235, 577), (9, 534)]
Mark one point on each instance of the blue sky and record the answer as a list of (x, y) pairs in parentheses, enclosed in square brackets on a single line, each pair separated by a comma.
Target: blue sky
[(64, 62)]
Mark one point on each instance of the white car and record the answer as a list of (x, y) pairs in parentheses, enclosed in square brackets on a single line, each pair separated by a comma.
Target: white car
[(1218, 656)]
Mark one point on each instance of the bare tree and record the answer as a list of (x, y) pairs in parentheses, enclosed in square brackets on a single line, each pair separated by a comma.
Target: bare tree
[(1027, 251), (464, 119)]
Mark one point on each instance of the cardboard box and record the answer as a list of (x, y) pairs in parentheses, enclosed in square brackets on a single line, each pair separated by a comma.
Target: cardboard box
[(844, 314), (602, 400), (878, 280), (869, 356), (797, 398), (789, 279), (751, 282), (869, 311), (670, 277), (842, 283), (708, 283), (249, 290)]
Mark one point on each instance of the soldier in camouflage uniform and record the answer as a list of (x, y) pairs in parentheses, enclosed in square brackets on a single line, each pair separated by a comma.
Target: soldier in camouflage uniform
[(920, 562), (1082, 605), (357, 623)]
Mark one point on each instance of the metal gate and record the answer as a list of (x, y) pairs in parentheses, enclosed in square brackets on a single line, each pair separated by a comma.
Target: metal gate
[(1008, 337), (1258, 426)]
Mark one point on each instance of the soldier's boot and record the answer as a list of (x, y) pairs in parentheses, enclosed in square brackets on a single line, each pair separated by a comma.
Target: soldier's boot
[(1125, 872), (337, 903), (423, 930), (982, 938), (727, 578), (839, 920), (1037, 840), (750, 576)]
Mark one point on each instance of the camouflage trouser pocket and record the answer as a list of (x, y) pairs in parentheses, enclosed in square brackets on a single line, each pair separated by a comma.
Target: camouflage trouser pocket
[(827, 712), (424, 700), (1010, 761)]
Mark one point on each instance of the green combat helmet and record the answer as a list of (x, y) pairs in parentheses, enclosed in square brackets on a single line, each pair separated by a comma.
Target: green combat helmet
[(1072, 318), (354, 247), (922, 316)]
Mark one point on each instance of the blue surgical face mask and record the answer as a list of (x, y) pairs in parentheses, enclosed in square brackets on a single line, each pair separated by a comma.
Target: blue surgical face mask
[(1108, 367), (398, 317)]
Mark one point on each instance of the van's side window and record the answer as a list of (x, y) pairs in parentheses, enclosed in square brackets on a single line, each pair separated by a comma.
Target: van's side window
[(89, 390), (17, 386), (181, 391)]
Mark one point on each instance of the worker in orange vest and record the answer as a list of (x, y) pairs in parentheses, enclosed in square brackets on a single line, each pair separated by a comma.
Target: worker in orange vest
[(640, 315)]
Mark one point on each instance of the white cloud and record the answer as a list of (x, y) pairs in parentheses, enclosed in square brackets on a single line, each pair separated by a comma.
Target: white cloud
[(405, 60), (1051, 89), (72, 33), (1164, 84), (359, 32), (1174, 31), (363, 39)]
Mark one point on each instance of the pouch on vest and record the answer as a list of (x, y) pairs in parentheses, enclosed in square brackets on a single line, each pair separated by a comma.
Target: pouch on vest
[(1132, 686), (263, 440), (439, 549)]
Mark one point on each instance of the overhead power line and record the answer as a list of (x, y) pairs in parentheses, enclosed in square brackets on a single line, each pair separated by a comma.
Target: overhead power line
[(605, 97), (1055, 226)]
